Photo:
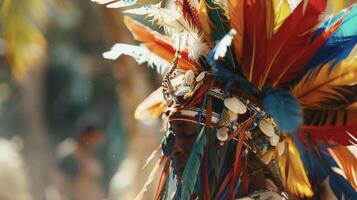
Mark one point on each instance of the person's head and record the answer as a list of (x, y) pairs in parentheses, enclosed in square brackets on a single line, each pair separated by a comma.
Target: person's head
[(90, 137)]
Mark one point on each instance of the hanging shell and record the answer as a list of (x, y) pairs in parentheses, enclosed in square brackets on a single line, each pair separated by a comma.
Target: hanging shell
[(274, 140), (222, 134), (232, 116), (181, 91), (189, 77), (201, 76), (267, 128), (281, 148), (235, 105)]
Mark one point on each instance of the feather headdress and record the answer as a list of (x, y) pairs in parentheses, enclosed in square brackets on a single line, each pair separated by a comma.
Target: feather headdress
[(269, 83)]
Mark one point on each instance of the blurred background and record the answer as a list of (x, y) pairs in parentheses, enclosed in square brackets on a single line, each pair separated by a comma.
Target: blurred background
[(67, 130)]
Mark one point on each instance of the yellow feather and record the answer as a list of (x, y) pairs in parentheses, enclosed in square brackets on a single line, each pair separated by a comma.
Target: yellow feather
[(293, 172), (311, 91), (206, 23), (236, 20), (282, 11)]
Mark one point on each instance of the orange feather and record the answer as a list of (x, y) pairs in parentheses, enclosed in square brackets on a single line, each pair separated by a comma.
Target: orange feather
[(236, 21), (347, 162), (158, 44), (152, 107)]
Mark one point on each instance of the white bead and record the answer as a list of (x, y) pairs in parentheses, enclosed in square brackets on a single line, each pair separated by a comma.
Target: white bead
[(267, 128), (235, 105)]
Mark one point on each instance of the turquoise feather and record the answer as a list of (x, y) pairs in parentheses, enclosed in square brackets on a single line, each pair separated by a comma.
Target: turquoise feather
[(216, 15), (190, 174)]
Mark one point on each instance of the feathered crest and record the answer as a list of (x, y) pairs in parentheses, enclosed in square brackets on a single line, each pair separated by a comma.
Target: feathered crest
[(281, 53)]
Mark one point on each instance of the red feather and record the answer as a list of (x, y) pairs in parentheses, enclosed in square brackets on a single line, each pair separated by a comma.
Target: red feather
[(237, 166), (330, 134), (255, 34), (291, 39), (190, 13)]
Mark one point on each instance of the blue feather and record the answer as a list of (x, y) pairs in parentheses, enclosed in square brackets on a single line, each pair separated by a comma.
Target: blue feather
[(222, 72), (284, 108), (322, 164), (340, 44)]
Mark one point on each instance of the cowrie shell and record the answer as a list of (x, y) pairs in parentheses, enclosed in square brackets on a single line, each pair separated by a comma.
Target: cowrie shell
[(267, 158), (235, 105), (201, 76), (274, 140), (281, 148), (232, 116), (222, 134), (267, 128), (189, 77), (181, 91)]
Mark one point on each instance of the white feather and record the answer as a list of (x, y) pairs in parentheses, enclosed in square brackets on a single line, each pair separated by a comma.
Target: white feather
[(140, 54), (196, 46), (120, 4), (103, 1), (171, 19), (222, 46)]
